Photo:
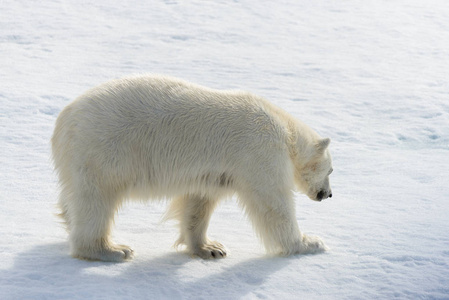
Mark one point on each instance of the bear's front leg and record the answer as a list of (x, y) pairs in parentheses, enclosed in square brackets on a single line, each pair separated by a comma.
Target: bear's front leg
[(194, 214), (273, 217)]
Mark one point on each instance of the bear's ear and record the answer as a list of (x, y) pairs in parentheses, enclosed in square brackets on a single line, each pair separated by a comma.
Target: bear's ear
[(322, 145)]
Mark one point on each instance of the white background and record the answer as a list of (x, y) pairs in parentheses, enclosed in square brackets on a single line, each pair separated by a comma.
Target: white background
[(371, 75)]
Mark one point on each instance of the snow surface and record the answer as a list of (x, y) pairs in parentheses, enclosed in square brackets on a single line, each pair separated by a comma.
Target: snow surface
[(372, 75)]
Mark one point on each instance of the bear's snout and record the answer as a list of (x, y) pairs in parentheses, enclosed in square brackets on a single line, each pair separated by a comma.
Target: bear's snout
[(322, 195)]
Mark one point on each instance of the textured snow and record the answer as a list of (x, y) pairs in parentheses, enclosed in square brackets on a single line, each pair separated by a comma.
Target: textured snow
[(371, 75)]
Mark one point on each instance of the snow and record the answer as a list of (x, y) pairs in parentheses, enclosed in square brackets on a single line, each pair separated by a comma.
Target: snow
[(371, 75)]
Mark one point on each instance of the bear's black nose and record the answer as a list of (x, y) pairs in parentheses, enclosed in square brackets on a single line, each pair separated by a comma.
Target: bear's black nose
[(320, 196), (330, 196)]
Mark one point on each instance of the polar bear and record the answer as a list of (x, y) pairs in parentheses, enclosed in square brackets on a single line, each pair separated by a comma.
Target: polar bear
[(152, 136)]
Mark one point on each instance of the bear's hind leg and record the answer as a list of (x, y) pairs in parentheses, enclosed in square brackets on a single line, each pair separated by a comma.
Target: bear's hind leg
[(65, 198), (91, 213), (194, 214)]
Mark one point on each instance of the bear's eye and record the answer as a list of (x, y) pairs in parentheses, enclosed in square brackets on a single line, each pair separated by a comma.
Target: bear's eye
[(330, 171)]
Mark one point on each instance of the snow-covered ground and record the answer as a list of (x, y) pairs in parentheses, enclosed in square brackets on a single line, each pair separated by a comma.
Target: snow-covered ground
[(372, 75)]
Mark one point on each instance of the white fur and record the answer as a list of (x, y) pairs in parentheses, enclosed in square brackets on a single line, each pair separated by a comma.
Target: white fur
[(158, 137)]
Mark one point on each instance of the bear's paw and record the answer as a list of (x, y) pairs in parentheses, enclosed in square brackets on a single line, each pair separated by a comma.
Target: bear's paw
[(211, 250), (112, 253), (312, 244)]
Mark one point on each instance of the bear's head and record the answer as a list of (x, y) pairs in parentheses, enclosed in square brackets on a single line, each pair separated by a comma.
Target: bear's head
[(312, 171)]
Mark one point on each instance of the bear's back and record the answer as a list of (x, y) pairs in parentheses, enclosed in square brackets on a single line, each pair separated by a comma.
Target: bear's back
[(168, 104)]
